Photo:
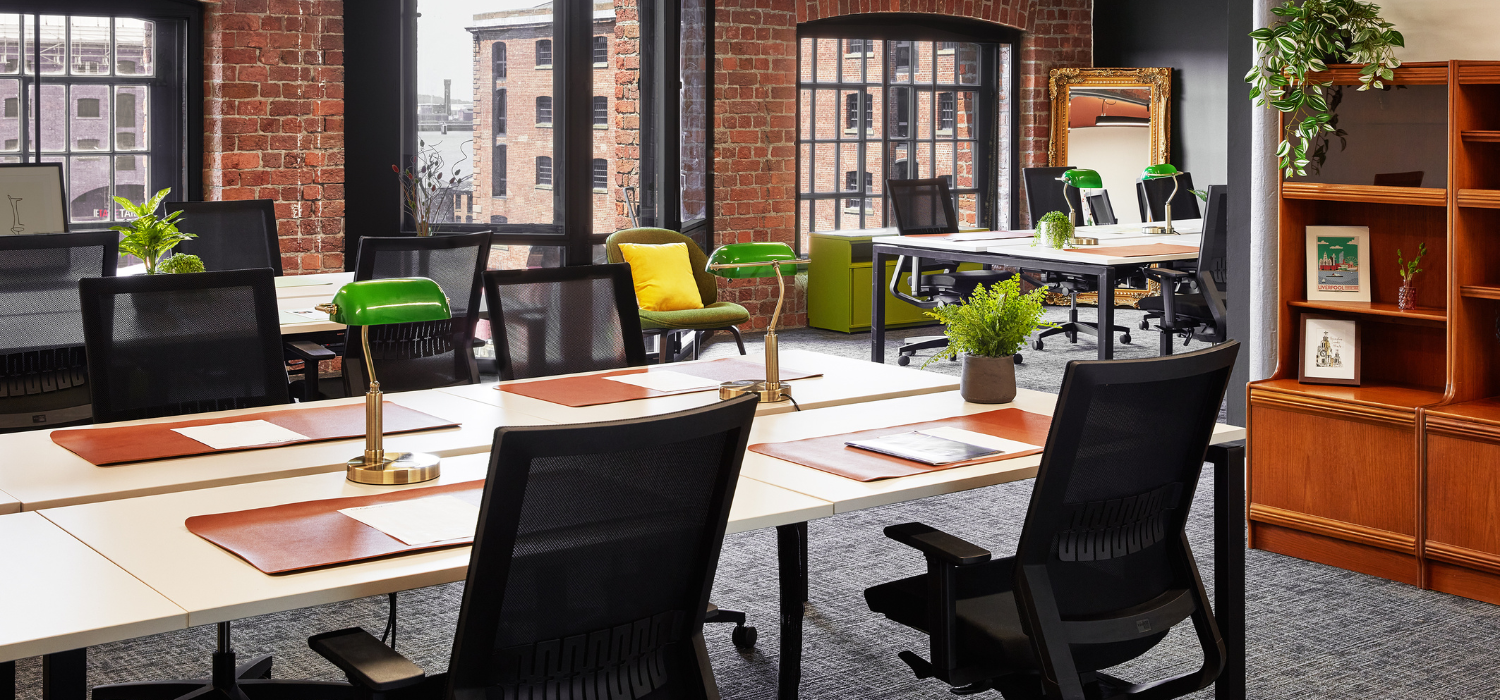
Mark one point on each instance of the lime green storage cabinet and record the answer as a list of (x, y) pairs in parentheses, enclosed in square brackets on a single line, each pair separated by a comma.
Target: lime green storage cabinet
[(838, 284)]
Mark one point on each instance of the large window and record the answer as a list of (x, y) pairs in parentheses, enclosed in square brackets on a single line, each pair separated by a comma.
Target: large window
[(497, 56), (870, 110), (498, 112), (544, 111)]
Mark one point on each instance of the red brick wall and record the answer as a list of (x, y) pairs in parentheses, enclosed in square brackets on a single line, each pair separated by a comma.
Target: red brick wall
[(755, 96), (274, 119)]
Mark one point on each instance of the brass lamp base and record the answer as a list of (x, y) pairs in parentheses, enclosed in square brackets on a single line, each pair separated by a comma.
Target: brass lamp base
[(395, 468), (729, 390), (1158, 231)]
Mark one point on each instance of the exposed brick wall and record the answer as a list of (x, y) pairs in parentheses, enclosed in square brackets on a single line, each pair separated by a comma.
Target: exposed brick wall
[(755, 96), (274, 119)]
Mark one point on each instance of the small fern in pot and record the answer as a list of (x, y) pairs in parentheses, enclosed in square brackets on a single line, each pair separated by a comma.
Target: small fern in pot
[(986, 331)]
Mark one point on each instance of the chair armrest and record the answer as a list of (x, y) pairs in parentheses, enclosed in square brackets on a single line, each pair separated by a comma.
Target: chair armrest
[(938, 545), (308, 351), (1161, 274), (367, 661)]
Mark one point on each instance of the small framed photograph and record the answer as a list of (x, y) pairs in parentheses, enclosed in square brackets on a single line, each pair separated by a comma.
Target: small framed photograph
[(1330, 351), (32, 199), (1338, 263)]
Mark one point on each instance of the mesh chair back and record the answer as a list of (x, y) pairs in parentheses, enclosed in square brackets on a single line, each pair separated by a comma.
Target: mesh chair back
[(562, 320), (922, 206), (1213, 250), (1045, 194), (234, 235), (1101, 210), (431, 354), (594, 557), (43, 370), (1122, 461), (1154, 193), (166, 345)]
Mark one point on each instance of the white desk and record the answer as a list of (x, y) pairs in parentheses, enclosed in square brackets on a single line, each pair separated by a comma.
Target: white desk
[(844, 381), (60, 595), (323, 284), (9, 504)]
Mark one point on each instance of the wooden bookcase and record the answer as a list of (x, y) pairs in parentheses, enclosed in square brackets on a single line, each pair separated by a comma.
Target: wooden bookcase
[(1400, 476)]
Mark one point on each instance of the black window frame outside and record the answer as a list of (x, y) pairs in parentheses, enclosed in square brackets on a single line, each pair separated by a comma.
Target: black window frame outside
[(599, 174), (544, 44), (601, 43), (499, 62), (498, 181), (541, 163), (499, 112), (594, 111), (544, 105)]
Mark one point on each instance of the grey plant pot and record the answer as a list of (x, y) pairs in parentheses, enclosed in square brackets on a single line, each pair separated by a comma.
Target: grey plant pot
[(1044, 232), (988, 379)]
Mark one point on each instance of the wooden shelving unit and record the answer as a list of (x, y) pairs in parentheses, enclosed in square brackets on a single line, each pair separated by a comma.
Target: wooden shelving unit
[(1400, 476)]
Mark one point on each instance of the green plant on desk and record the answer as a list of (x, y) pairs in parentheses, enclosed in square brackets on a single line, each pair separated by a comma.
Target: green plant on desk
[(1055, 229), (993, 322), (151, 238)]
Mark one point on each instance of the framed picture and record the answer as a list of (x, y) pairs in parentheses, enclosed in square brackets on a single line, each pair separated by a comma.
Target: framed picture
[(1330, 351), (1338, 263), (32, 199)]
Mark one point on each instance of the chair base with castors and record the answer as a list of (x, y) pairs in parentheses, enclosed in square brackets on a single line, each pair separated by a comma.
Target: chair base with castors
[(1074, 328), (230, 681), (743, 636), (912, 346)]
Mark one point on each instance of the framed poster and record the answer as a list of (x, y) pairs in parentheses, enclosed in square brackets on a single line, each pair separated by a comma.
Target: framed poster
[(1330, 351), (1338, 263), (32, 199)]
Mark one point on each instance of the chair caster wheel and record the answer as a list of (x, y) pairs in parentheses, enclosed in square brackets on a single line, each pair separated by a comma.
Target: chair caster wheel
[(953, 358), (1019, 360), (1037, 345), (1125, 338), (744, 637), (902, 360), (1145, 325)]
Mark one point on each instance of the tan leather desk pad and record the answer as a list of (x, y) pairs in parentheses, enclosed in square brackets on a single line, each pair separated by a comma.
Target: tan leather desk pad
[(594, 389), (107, 446), (1138, 251), (831, 455), (297, 536)]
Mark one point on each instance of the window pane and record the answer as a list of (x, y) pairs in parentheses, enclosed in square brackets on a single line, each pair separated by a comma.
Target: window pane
[(53, 43), (694, 105), (89, 47), (91, 123), (601, 51), (130, 118), (10, 115), (135, 46), (54, 115), (601, 175), (10, 44), (601, 111), (90, 188)]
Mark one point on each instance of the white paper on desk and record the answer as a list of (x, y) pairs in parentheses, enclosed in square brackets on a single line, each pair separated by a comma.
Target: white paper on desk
[(421, 520), (989, 442), (245, 433), (666, 381), (309, 314)]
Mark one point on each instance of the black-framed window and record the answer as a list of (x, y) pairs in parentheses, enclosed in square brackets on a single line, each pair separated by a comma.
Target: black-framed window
[(544, 171), (497, 60), (601, 51), (601, 111), (947, 111), (852, 103), (498, 112), (544, 53), (601, 175), (544, 110), (851, 184), (497, 171)]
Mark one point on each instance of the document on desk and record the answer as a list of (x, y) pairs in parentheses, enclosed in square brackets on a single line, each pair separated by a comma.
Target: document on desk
[(971, 437), (245, 433), (666, 380), (420, 520)]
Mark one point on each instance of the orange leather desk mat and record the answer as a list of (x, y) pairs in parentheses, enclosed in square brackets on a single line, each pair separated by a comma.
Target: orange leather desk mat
[(831, 455), (107, 446), (594, 389), (312, 534), (1138, 251)]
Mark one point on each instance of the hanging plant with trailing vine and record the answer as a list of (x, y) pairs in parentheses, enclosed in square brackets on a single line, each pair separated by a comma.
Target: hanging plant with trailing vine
[(1291, 54)]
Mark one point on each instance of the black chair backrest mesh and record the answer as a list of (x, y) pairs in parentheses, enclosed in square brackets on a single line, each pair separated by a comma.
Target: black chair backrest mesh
[(1122, 461), (166, 345), (41, 326), (233, 235), (561, 320), (1154, 194), (594, 556), (1101, 210), (922, 206), (1213, 250), (425, 355), (1045, 194)]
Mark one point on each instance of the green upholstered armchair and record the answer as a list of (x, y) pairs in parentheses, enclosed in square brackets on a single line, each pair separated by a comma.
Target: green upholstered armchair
[(670, 326)]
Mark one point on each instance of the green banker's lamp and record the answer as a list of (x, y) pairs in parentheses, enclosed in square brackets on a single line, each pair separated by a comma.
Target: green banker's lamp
[(377, 303), (1158, 172), (740, 261), (1078, 179)]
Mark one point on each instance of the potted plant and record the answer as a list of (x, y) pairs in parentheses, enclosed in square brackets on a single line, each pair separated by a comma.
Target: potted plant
[(151, 238), (1055, 229), (428, 188), (1406, 296), (987, 330)]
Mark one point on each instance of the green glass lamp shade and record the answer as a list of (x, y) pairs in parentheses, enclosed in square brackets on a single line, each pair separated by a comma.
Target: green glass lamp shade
[(746, 255), (1083, 179), (394, 300), (1160, 170)]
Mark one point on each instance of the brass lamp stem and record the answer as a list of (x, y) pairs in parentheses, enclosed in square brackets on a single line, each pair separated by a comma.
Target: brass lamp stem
[(1072, 213), (773, 362), (1176, 185), (374, 420)]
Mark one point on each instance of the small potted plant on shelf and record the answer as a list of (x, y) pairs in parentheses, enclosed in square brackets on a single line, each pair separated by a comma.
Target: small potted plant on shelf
[(1055, 229), (1406, 296), (151, 238), (987, 330)]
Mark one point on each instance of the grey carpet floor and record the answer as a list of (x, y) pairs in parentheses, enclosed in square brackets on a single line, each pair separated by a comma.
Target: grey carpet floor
[(1315, 631)]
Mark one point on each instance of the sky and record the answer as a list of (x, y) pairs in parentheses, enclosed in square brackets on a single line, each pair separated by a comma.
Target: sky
[(444, 49)]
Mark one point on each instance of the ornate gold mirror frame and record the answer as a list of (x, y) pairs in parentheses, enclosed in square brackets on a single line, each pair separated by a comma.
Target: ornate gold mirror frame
[(1158, 79)]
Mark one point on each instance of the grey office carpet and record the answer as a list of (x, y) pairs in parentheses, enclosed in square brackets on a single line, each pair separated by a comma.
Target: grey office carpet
[(1315, 631)]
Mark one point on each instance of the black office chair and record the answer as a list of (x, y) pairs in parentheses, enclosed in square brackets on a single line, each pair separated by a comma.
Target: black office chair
[(167, 345), (232, 235), (1152, 196), (423, 355), (1100, 210), (1103, 569), (43, 367), (1194, 305), (591, 567), (1045, 194), (926, 207)]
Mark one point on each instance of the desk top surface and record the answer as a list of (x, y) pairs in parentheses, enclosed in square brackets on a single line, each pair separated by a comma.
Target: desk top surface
[(303, 292), (1189, 234), (62, 595), (8, 504)]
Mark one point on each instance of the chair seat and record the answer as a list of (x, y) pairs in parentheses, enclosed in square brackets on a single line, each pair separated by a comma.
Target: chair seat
[(1190, 305), (717, 315)]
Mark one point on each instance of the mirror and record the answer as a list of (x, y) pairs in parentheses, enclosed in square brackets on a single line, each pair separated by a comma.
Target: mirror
[(1115, 121)]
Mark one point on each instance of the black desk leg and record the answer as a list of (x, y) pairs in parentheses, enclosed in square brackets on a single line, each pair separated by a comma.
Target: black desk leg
[(65, 675), (877, 307), (791, 555), (1229, 564), (1107, 314), (8, 681)]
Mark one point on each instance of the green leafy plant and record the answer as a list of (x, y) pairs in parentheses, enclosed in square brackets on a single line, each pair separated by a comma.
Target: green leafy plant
[(1056, 232), (1292, 52), (150, 237), (1408, 268), (181, 263), (992, 322)]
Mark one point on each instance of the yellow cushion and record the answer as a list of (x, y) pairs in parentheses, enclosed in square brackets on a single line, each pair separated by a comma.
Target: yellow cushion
[(663, 276)]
